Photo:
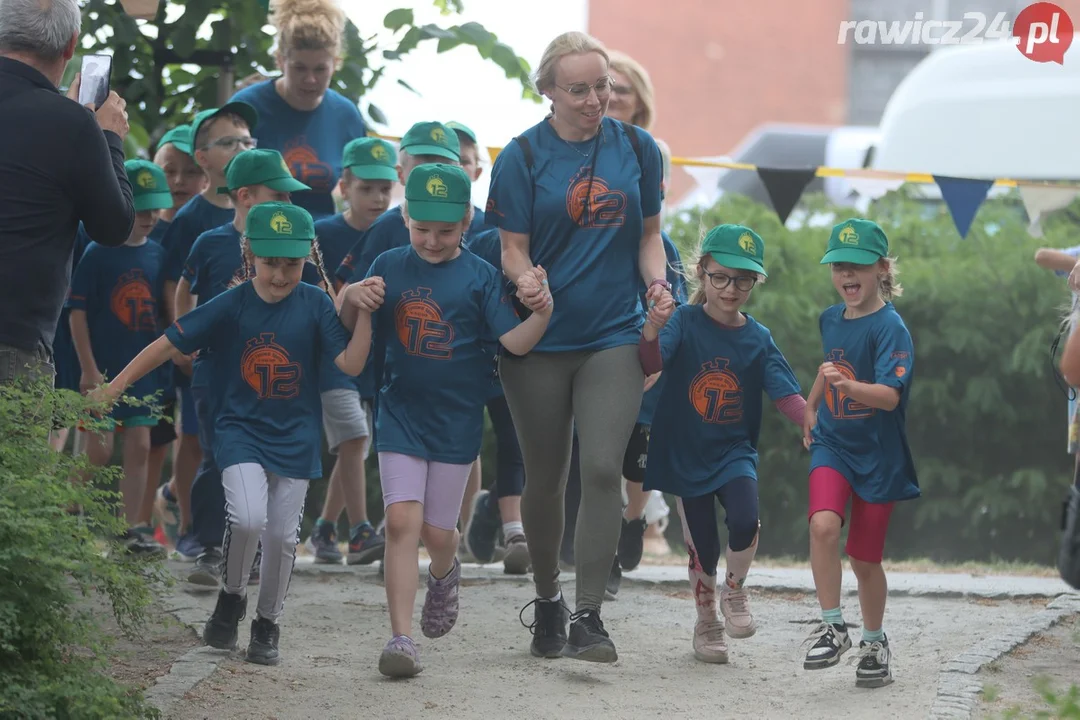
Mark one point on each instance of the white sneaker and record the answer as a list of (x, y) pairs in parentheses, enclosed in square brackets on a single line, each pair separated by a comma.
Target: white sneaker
[(736, 608)]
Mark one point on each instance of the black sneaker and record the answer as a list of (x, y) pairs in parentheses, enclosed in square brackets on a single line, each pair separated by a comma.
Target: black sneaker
[(588, 639), (365, 545), (482, 531), (631, 543), (207, 569), (220, 630), (873, 669), (829, 642), (142, 545), (322, 543), (614, 581), (548, 627), (262, 648)]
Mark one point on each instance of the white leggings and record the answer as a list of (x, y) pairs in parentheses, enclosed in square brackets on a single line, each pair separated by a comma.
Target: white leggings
[(261, 505)]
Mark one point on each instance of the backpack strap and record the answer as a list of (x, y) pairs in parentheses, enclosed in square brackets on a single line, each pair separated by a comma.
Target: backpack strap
[(635, 141), (526, 150)]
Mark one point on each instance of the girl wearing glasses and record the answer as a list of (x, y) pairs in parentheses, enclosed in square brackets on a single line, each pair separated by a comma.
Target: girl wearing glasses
[(717, 361), (573, 195)]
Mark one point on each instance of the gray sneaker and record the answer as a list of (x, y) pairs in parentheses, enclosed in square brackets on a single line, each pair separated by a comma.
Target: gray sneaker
[(207, 570), (441, 603), (517, 558), (323, 544), (400, 658)]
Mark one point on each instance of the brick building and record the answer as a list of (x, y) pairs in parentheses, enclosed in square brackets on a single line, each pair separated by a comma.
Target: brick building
[(723, 67)]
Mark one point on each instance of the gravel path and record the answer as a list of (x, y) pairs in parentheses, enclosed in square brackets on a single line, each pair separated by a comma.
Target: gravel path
[(336, 624)]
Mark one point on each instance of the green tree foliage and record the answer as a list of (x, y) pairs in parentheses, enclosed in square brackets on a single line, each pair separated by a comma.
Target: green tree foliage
[(986, 419), (52, 649), (165, 70)]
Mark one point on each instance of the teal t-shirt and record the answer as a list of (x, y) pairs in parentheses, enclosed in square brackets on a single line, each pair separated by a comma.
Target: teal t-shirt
[(708, 418), (438, 367), (117, 287), (266, 358), (312, 142), (589, 246), (866, 445)]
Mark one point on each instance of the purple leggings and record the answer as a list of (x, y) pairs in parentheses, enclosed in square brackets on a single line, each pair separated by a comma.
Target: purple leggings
[(439, 487)]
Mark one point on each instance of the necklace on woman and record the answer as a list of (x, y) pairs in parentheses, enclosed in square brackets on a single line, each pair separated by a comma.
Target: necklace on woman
[(594, 140)]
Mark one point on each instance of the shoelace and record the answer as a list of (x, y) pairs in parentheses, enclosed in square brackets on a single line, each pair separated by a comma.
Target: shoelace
[(815, 637), (738, 600), (264, 631), (531, 627), (876, 650), (590, 618)]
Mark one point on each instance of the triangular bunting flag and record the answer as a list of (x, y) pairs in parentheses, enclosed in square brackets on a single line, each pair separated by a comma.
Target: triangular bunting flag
[(785, 187), (963, 197), (1039, 201)]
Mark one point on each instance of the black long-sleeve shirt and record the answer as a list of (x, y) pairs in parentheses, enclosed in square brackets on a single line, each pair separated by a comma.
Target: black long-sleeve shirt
[(57, 167)]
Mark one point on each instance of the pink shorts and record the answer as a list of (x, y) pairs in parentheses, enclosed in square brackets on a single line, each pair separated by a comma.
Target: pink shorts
[(439, 487), (829, 490)]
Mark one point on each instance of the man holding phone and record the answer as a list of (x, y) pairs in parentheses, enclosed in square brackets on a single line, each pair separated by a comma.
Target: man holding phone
[(59, 164)]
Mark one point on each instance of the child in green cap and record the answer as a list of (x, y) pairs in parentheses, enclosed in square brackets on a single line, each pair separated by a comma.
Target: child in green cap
[(858, 443), (267, 336), (717, 362), (433, 306), (114, 309)]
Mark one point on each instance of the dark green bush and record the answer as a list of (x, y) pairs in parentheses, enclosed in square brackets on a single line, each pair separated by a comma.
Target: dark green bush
[(52, 648)]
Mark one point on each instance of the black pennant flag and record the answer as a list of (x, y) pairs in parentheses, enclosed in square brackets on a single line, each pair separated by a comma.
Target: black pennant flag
[(785, 187)]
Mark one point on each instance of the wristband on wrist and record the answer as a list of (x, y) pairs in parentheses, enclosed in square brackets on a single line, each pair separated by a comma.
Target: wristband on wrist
[(662, 282)]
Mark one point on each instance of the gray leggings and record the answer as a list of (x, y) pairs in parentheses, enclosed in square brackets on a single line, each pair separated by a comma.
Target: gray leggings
[(548, 394)]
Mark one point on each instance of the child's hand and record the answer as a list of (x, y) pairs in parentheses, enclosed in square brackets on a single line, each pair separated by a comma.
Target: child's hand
[(808, 423), (90, 380), (651, 380), (662, 310), (833, 376), (533, 290), (368, 294), (107, 394)]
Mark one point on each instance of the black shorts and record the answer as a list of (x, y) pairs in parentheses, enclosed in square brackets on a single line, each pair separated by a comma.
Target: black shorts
[(637, 452), (165, 431)]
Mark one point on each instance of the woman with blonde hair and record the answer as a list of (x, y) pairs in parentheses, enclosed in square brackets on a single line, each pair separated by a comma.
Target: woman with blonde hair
[(579, 195), (300, 116)]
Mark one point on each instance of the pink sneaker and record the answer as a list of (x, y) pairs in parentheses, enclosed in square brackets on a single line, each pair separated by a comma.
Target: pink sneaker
[(709, 644)]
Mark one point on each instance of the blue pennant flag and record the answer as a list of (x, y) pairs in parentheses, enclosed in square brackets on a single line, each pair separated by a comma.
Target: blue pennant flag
[(963, 197)]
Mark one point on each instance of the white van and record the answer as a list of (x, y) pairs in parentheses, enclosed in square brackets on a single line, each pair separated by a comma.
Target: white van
[(985, 111)]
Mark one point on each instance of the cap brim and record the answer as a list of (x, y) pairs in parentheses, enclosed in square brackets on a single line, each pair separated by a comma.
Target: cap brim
[(181, 146), (289, 184), (738, 262), (855, 256), (437, 150), (374, 172), (280, 248), (425, 211), (153, 201)]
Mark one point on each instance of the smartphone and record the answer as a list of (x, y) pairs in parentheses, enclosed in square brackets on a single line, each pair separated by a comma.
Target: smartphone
[(94, 82)]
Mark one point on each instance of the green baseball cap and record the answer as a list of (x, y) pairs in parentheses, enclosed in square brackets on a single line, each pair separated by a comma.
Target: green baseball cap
[(148, 186), (278, 229), (260, 167), (249, 113), (180, 137), (371, 158), (856, 241), (432, 138), (460, 127), (736, 247), (438, 193)]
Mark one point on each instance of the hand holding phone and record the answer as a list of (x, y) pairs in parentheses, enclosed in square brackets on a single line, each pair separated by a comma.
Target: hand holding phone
[(94, 80)]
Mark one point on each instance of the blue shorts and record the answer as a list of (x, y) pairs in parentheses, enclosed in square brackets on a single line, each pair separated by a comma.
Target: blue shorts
[(189, 421)]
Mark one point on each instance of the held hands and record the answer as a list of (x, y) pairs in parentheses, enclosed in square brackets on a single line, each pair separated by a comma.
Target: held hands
[(533, 290), (367, 295), (90, 380), (104, 394), (661, 308)]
